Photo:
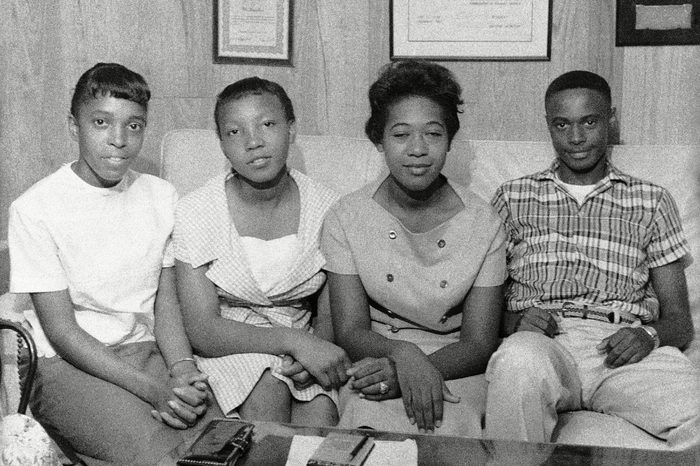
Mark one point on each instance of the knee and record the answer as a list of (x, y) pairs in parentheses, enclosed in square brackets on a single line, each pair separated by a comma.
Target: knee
[(270, 400), (522, 355), (320, 411), (139, 445)]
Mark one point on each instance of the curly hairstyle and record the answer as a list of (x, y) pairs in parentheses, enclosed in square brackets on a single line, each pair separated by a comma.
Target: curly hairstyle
[(413, 78), (110, 80)]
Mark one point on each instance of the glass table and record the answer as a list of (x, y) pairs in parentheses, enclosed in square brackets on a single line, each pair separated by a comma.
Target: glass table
[(271, 444)]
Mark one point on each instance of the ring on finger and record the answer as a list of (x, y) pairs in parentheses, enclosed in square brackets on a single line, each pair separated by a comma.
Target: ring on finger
[(383, 387)]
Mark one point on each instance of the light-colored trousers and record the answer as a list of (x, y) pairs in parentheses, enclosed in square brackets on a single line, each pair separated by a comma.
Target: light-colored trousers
[(531, 378)]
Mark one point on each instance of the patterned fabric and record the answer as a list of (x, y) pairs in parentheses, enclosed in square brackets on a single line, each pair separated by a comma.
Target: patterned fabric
[(204, 235), (599, 252)]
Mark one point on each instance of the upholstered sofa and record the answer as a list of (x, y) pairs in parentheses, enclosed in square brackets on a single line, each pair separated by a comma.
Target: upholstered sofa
[(191, 156)]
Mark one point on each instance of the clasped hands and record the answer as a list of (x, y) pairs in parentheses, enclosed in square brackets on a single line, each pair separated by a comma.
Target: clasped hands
[(366, 377), (293, 369), (314, 360), (184, 400), (411, 377), (626, 346)]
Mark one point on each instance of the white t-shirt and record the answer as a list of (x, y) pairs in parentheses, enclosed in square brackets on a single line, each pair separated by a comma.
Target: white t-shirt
[(107, 246), (579, 191)]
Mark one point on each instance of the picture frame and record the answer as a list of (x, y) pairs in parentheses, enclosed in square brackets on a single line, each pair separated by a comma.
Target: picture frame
[(458, 30), (657, 22), (253, 31)]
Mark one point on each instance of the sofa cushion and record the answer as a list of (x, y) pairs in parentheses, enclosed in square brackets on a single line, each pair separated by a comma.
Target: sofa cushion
[(590, 428)]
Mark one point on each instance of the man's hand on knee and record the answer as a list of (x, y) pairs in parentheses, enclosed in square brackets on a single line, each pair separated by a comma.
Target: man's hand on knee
[(626, 346), (534, 319)]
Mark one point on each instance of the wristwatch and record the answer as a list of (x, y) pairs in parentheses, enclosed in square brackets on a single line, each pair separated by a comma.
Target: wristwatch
[(653, 334)]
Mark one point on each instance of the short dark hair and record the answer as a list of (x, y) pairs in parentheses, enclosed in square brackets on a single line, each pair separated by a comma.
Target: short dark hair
[(255, 86), (413, 78), (579, 79), (110, 80)]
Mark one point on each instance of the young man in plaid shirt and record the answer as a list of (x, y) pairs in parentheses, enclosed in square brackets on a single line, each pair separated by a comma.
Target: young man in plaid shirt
[(597, 296)]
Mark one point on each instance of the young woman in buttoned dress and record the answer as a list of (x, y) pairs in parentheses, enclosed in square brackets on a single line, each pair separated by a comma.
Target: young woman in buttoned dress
[(415, 265)]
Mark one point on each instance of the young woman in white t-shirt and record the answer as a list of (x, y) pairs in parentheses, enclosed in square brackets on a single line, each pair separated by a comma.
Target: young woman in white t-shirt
[(90, 244)]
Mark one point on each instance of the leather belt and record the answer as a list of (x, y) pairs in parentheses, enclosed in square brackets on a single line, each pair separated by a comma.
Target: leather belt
[(412, 325)]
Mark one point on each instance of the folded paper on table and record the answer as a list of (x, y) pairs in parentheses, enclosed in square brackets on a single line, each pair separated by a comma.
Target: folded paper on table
[(342, 449), (384, 453)]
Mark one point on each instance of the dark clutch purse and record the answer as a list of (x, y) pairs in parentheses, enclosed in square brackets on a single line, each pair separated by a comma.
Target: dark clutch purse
[(222, 443)]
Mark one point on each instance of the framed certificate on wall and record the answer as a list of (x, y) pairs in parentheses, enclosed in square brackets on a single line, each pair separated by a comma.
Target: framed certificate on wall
[(471, 30), (657, 22), (253, 31)]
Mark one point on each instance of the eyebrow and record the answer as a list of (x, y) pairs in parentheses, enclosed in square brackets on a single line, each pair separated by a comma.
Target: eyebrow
[(585, 117), (409, 124), (98, 113)]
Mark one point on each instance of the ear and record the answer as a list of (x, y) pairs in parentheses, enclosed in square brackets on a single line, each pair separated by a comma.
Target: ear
[(613, 128), (292, 131), (379, 146), (73, 127)]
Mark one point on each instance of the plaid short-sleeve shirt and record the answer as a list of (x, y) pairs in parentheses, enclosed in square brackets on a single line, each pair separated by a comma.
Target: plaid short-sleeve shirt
[(597, 252)]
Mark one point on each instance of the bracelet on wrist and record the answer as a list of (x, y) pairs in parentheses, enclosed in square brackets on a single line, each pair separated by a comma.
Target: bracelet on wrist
[(653, 334), (170, 369)]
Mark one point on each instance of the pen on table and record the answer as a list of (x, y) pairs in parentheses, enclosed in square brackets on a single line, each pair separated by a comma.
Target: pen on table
[(359, 446)]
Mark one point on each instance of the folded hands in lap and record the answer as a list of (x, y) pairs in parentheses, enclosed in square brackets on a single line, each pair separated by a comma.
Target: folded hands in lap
[(411, 376), (375, 379), (183, 400)]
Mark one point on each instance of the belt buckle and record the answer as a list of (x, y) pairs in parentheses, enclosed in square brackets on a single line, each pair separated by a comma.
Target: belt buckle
[(569, 309)]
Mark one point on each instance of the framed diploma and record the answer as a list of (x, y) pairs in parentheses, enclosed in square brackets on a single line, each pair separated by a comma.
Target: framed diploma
[(253, 31), (471, 30), (659, 22)]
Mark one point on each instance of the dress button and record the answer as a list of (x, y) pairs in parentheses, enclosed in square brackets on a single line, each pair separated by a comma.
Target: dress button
[(389, 277), (392, 234), (443, 284), (441, 243)]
